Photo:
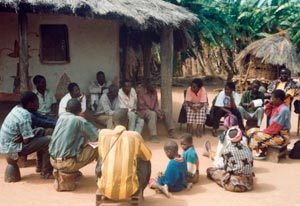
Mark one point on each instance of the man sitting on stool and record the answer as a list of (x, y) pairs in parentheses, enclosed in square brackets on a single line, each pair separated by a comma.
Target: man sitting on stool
[(125, 163), (251, 105), (17, 138), (69, 149)]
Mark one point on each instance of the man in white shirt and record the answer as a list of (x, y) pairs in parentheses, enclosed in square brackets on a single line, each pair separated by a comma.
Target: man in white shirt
[(45, 96), (108, 112), (74, 92), (44, 116), (97, 88), (226, 103), (128, 101)]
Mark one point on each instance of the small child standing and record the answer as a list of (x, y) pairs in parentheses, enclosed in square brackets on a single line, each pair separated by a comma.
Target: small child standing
[(174, 178), (191, 158)]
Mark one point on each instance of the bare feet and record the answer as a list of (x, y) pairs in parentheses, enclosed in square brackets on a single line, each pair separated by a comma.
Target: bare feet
[(154, 139), (165, 191), (214, 133), (189, 186), (199, 133), (207, 148)]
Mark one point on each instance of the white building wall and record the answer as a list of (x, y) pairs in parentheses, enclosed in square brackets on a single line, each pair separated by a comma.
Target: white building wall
[(93, 46)]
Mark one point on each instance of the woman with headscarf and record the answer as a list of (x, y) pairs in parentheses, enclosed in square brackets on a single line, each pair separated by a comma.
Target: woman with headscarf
[(237, 174), (223, 143)]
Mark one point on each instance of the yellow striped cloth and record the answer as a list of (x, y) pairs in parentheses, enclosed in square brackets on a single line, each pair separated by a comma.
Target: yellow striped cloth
[(119, 178)]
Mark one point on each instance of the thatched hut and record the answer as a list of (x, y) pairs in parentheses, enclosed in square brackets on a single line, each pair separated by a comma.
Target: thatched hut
[(264, 58), (89, 41)]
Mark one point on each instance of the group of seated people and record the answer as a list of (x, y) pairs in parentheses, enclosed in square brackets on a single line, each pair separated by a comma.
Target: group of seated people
[(60, 138), (66, 147), (110, 105), (249, 107), (233, 160)]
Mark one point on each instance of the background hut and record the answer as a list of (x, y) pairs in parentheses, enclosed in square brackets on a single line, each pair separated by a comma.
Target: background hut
[(263, 59)]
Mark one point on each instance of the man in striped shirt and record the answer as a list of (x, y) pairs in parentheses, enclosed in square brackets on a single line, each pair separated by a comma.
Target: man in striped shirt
[(125, 163), (69, 149)]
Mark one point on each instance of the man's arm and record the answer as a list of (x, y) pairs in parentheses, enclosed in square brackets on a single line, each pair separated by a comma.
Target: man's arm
[(62, 105), (90, 131), (25, 129), (83, 103), (234, 100), (243, 101), (144, 152)]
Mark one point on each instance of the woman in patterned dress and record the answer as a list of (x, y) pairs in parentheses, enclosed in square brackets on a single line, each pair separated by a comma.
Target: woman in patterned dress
[(196, 106)]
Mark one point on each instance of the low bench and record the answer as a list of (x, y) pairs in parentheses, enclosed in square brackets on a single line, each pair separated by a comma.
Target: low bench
[(101, 200), (274, 153)]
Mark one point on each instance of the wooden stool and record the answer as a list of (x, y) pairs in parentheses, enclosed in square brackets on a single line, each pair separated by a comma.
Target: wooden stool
[(27, 161), (274, 153), (101, 200), (64, 181), (12, 171)]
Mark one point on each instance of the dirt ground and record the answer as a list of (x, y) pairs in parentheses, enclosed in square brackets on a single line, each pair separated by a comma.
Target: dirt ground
[(275, 184)]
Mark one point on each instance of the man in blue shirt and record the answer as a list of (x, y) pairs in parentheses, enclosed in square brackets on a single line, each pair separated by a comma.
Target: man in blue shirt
[(17, 138)]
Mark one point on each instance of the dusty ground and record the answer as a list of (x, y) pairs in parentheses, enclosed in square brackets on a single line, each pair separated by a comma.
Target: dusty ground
[(275, 184)]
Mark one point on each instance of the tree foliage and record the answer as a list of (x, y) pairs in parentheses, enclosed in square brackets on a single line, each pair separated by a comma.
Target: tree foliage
[(226, 27)]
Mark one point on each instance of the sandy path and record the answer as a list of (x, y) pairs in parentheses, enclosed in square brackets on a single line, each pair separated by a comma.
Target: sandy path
[(275, 184)]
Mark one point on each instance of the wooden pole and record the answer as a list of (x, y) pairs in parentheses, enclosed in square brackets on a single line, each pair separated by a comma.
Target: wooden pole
[(146, 47), (23, 53), (167, 50)]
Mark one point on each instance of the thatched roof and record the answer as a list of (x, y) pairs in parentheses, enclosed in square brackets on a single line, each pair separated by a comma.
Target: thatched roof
[(275, 49), (143, 14)]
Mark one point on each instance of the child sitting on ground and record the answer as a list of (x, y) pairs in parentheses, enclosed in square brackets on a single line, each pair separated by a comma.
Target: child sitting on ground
[(174, 178), (191, 158)]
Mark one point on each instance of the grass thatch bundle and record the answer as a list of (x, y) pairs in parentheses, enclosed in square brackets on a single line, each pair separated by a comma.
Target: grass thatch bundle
[(275, 50), (137, 13)]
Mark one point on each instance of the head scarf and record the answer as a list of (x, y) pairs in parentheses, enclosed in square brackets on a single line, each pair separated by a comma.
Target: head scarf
[(230, 121), (236, 138)]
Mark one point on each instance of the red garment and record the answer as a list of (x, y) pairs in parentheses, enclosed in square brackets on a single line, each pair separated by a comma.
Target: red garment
[(147, 101), (274, 127), (200, 97)]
